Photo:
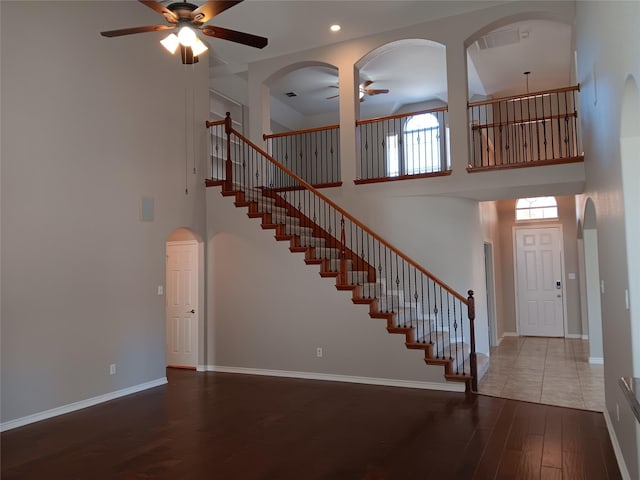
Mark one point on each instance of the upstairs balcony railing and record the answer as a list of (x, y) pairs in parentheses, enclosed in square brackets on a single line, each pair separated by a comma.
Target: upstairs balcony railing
[(432, 315), (409, 145), (539, 128), (312, 154)]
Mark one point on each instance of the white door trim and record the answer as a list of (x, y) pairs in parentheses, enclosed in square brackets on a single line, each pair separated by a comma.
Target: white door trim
[(531, 225), (491, 294), (196, 244)]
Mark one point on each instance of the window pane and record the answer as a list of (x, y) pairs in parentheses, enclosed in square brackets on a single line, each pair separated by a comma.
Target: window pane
[(422, 144), (536, 208)]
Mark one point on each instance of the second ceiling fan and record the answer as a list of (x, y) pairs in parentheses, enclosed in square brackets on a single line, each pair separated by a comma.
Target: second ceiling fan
[(364, 90)]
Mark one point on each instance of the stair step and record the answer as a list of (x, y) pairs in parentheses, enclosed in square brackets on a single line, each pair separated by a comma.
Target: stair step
[(272, 209), (437, 338), (356, 277), (334, 264), (254, 195), (327, 253), (284, 219), (291, 229), (457, 351), (377, 290), (309, 241)]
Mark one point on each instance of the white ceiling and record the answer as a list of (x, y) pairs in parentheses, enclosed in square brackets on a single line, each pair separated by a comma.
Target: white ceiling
[(412, 71)]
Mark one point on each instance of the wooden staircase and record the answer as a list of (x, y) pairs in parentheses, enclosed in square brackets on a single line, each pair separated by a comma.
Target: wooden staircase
[(354, 273)]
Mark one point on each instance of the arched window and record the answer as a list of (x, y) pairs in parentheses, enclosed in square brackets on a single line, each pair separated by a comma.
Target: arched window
[(536, 208), (418, 150), (422, 144)]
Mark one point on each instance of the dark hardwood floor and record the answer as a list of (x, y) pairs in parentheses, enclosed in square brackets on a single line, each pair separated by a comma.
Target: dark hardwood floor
[(223, 426)]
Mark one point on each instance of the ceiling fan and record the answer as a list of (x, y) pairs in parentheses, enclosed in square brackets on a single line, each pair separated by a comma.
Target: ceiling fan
[(188, 18), (364, 90)]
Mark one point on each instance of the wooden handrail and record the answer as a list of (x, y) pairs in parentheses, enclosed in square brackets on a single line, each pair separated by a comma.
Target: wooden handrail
[(524, 95), (350, 217), (214, 123), (402, 115), (299, 132), (522, 121)]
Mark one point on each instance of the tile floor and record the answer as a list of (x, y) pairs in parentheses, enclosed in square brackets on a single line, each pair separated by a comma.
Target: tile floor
[(554, 371)]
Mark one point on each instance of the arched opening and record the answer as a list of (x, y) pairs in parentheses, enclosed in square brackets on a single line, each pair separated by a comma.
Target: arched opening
[(630, 164), (184, 297), (525, 109), (540, 45), (304, 113), (592, 283), (403, 123), (303, 96)]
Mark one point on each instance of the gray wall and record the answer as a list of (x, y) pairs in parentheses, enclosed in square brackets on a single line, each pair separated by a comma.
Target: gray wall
[(607, 41), (88, 128), (270, 311)]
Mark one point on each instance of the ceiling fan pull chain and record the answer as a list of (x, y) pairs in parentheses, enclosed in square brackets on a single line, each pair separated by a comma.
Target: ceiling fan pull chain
[(193, 116), (186, 144)]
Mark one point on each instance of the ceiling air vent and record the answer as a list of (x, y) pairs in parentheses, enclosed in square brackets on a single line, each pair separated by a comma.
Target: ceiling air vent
[(291, 94), (499, 38)]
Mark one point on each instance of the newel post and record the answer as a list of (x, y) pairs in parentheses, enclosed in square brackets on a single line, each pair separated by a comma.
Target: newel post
[(471, 309), (228, 128)]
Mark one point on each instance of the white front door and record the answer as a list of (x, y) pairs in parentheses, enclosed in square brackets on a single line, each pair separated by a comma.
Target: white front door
[(539, 281), (182, 304)]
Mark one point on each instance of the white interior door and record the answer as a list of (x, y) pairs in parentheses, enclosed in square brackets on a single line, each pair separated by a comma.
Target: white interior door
[(182, 304), (539, 281)]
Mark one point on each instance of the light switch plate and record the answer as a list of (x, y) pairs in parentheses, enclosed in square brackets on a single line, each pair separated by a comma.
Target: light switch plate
[(160, 290), (572, 276)]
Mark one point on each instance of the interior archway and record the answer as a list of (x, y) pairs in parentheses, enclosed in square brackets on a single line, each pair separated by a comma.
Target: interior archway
[(630, 164), (592, 283)]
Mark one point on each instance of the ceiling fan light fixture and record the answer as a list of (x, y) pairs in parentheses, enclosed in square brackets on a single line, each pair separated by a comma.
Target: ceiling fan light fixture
[(335, 27), (171, 43), (186, 36), (198, 47)]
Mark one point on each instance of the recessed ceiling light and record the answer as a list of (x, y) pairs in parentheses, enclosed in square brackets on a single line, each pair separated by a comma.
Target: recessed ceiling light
[(335, 28)]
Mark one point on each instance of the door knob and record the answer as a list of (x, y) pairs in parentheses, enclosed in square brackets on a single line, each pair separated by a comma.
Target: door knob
[(191, 311)]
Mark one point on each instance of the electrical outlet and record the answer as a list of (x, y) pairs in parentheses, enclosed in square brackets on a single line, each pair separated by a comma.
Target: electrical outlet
[(319, 352), (112, 369)]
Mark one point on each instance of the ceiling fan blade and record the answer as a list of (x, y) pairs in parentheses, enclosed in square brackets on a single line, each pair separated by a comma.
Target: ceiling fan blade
[(210, 9), (130, 31), (367, 83), (235, 36), (161, 9), (373, 91)]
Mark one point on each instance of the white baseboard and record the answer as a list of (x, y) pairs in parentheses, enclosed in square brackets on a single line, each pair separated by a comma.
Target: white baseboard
[(506, 334), (72, 407), (585, 337), (579, 336), (447, 387), (624, 471), (596, 360)]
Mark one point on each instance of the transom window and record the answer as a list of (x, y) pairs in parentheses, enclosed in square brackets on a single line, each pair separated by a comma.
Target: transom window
[(536, 208)]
